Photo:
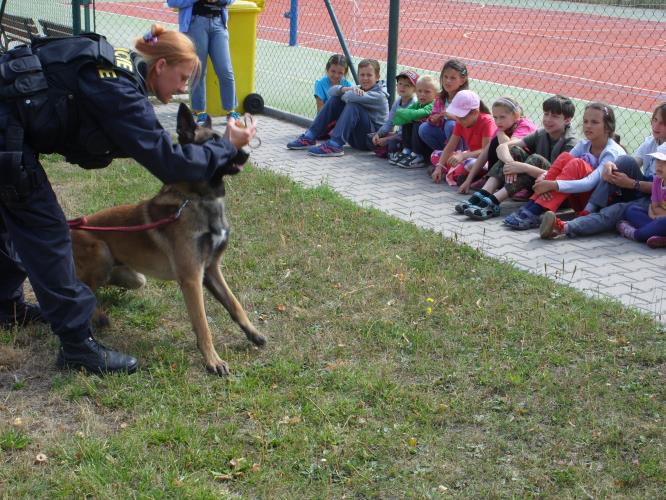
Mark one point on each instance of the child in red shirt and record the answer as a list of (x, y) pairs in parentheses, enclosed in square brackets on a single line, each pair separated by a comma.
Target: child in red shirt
[(475, 126)]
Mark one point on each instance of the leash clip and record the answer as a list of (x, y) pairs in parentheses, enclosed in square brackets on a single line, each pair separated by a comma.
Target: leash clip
[(180, 209)]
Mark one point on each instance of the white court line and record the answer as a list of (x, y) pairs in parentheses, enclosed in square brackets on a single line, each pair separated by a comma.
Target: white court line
[(563, 76), (486, 82), (469, 36)]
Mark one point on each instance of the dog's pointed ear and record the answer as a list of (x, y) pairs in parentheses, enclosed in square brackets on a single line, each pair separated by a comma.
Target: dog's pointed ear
[(185, 125)]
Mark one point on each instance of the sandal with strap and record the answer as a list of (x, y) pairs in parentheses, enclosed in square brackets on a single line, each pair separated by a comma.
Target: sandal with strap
[(522, 220), (471, 202), (483, 213)]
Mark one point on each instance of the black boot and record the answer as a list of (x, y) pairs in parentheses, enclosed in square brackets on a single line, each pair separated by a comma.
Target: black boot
[(94, 357), (19, 314)]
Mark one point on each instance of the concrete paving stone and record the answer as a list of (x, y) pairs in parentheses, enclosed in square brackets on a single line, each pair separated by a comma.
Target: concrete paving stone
[(610, 279), (646, 273), (660, 280), (605, 262), (646, 286), (654, 298)]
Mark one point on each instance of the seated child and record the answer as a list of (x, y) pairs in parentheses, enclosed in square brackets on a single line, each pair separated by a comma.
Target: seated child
[(624, 174), (522, 160), (574, 175), (649, 224), (475, 126), (414, 151), (438, 128), (357, 110), (511, 124), (336, 70), (387, 141)]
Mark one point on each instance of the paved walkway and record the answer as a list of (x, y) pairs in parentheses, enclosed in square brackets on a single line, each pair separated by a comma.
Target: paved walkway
[(604, 265)]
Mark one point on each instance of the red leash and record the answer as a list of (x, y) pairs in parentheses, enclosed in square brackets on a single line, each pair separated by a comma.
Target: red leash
[(81, 223)]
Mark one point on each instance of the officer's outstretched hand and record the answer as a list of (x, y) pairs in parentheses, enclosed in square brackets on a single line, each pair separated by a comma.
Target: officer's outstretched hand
[(241, 131)]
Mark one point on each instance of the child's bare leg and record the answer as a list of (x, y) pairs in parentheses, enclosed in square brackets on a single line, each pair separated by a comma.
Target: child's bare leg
[(502, 195), (491, 185)]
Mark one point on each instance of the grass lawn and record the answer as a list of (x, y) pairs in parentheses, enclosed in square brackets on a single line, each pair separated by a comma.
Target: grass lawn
[(398, 365)]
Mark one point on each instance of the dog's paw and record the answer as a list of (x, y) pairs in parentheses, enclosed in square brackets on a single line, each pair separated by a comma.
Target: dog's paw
[(256, 338), (219, 368)]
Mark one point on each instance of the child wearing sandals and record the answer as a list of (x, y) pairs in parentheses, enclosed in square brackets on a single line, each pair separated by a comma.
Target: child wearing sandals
[(475, 126), (649, 224), (511, 123), (415, 151), (387, 141), (574, 175), (523, 158), (438, 128), (630, 175)]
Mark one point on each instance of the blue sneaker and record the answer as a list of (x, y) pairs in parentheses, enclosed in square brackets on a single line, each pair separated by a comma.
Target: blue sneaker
[(201, 118), (301, 143), (326, 149), (234, 115)]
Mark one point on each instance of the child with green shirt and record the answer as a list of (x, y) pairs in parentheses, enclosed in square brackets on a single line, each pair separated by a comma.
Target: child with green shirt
[(414, 152)]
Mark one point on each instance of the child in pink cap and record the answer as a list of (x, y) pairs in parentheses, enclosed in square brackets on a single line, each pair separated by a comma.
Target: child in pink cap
[(475, 126)]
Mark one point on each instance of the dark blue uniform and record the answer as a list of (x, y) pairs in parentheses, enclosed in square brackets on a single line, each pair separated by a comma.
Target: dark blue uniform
[(34, 236)]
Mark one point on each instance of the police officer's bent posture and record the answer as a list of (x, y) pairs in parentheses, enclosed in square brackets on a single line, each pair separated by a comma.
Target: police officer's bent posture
[(80, 97)]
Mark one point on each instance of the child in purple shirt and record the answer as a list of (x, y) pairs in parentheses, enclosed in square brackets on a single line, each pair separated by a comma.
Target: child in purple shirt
[(649, 224)]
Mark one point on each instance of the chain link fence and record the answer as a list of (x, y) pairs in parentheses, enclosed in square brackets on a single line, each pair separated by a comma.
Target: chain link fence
[(613, 50), (48, 17), (609, 50)]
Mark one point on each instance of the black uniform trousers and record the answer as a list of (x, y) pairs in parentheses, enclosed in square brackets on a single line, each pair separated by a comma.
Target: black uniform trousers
[(35, 243)]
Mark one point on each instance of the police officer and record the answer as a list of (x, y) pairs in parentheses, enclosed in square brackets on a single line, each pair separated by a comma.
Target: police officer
[(80, 97)]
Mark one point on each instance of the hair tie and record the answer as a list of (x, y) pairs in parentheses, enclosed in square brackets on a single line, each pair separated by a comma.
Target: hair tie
[(503, 101), (150, 38)]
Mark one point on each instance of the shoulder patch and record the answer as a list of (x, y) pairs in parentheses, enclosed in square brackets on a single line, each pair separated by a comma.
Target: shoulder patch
[(106, 73), (123, 59)]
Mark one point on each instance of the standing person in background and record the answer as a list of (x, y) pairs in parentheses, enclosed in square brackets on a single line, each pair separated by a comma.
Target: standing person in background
[(205, 22)]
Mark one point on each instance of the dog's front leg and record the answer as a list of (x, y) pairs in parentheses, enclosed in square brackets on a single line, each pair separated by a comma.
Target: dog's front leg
[(194, 300), (216, 284)]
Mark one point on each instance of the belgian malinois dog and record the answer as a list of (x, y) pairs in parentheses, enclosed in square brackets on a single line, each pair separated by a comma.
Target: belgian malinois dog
[(188, 250)]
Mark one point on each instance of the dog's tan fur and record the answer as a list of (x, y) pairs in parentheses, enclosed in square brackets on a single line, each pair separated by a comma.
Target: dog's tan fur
[(188, 250)]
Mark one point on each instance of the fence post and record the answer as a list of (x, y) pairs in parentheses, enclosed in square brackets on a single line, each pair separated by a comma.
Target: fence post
[(86, 14), (392, 55), (293, 23), (2, 9), (341, 39), (76, 17)]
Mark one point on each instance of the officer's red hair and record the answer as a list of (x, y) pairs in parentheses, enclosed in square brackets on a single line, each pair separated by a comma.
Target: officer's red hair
[(173, 46)]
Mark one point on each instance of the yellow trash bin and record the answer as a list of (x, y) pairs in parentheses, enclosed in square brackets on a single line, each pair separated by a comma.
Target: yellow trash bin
[(243, 46)]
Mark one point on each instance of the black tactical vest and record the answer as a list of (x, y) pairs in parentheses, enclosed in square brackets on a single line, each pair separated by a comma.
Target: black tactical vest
[(42, 82)]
